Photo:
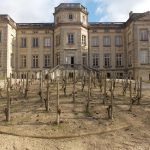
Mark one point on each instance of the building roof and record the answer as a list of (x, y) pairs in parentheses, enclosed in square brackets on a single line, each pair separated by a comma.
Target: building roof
[(34, 25), (8, 19), (71, 6)]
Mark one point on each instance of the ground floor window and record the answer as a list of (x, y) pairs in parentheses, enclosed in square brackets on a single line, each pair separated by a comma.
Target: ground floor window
[(46, 61), (95, 60), (35, 61)]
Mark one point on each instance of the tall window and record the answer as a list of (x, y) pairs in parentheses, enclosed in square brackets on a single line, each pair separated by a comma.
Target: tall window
[(35, 61), (35, 42), (70, 38), (130, 59), (95, 60), (84, 58), (106, 41), (95, 41), (70, 16), (57, 40), (129, 38), (118, 40), (107, 60), (23, 42), (144, 56), (84, 40), (119, 60), (23, 61), (47, 42), (144, 35), (0, 36), (46, 61)]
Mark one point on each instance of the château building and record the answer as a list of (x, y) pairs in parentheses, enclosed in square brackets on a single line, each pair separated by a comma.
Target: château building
[(123, 47)]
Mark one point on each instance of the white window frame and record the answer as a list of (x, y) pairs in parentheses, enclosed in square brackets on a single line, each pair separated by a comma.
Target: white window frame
[(23, 42), (144, 56), (47, 61), (118, 40), (35, 42), (95, 41), (119, 59), (84, 40), (35, 61), (70, 38), (95, 60), (47, 42), (107, 60), (143, 35), (106, 41), (23, 61)]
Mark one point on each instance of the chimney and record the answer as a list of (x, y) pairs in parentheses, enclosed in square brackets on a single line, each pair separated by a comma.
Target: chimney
[(130, 13)]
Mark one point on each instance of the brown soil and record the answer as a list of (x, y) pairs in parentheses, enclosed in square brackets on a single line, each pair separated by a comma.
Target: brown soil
[(32, 128)]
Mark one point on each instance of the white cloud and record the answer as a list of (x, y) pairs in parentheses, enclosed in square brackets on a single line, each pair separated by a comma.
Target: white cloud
[(118, 10), (30, 10), (42, 10)]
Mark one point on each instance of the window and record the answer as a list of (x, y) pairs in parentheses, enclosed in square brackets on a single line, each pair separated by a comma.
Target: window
[(47, 42), (130, 59), (57, 40), (57, 19), (119, 60), (84, 40), (144, 56), (70, 38), (23, 43), (83, 17), (35, 42), (95, 60), (84, 59), (35, 61), (118, 30), (12, 60), (129, 38), (95, 41), (107, 60), (0, 36), (70, 16), (118, 40), (106, 30), (144, 35), (46, 61), (106, 41), (23, 61)]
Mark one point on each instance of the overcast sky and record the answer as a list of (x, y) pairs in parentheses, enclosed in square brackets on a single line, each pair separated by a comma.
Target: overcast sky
[(99, 10)]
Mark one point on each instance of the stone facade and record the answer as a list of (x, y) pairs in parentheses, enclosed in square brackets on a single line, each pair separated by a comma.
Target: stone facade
[(121, 47)]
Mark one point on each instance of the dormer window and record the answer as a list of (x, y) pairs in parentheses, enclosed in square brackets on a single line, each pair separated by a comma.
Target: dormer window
[(70, 16)]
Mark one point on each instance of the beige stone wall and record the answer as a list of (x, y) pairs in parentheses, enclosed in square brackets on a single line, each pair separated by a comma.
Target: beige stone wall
[(7, 46), (29, 51), (101, 49)]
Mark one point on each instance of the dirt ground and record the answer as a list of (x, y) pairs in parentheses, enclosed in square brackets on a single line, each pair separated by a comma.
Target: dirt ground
[(32, 128)]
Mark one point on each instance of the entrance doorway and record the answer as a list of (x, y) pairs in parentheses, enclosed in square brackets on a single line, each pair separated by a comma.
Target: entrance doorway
[(72, 61)]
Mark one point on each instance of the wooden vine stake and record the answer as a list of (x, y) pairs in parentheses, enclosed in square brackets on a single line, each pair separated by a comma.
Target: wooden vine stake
[(58, 107), (74, 84), (105, 94), (48, 95), (7, 110), (89, 95), (27, 86), (110, 107), (140, 91), (41, 86), (130, 89)]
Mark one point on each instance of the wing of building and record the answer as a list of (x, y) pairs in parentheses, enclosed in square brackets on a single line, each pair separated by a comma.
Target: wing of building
[(111, 46)]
